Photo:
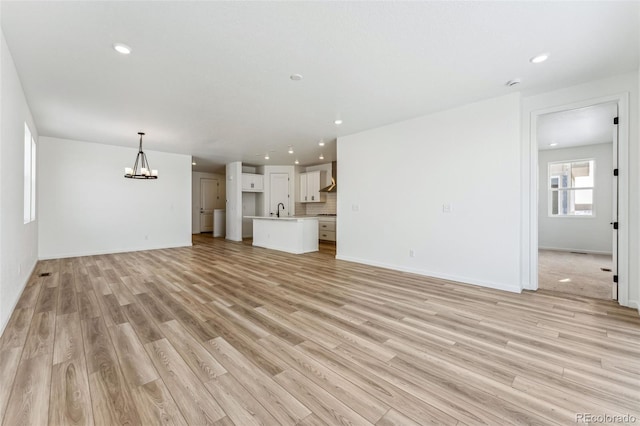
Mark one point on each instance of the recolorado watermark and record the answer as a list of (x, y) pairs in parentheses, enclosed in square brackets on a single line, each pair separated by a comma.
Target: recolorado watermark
[(606, 418)]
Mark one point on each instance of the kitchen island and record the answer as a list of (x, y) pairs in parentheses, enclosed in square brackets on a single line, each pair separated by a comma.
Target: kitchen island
[(293, 234)]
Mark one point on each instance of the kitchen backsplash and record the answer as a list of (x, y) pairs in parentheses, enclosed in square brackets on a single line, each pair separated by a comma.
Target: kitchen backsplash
[(328, 207)]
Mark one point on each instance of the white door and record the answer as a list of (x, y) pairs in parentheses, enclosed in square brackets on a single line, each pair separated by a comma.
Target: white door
[(208, 194), (279, 193), (614, 218)]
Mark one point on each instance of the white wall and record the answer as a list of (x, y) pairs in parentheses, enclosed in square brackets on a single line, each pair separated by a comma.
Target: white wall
[(575, 233), (234, 201), (395, 179), (629, 233), (196, 199), (88, 207), (19, 242)]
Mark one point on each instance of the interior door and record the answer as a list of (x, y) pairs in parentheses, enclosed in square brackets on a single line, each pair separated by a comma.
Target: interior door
[(614, 219), (279, 193), (208, 194)]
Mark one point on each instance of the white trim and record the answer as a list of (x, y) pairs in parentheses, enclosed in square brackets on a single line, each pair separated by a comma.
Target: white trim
[(459, 280), (113, 251), (576, 250), (15, 302), (531, 214)]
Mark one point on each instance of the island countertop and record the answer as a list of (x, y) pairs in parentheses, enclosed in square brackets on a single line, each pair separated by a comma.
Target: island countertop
[(296, 218), (293, 234)]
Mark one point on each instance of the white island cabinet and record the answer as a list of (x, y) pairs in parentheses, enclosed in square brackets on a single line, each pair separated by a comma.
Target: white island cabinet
[(292, 234)]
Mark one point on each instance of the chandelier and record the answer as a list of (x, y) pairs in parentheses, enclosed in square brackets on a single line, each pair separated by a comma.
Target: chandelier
[(141, 169)]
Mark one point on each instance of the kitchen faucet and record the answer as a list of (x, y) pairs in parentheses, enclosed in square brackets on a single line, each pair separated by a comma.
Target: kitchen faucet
[(280, 204)]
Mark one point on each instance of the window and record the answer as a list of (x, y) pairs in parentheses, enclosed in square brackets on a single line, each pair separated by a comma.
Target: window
[(571, 188), (29, 176)]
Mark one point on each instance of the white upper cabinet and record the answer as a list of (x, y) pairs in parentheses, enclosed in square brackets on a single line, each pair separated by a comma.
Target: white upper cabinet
[(252, 182), (310, 185), (303, 188)]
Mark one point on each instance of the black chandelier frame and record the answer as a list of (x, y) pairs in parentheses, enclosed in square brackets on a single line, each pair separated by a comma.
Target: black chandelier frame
[(141, 162)]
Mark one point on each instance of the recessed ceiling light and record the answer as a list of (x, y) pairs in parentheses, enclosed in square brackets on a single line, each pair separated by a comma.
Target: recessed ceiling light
[(193, 163), (565, 280), (266, 156), (296, 77), (321, 157), (122, 48), (553, 144), (337, 122), (539, 58), (513, 82), (290, 149), (296, 162), (321, 142)]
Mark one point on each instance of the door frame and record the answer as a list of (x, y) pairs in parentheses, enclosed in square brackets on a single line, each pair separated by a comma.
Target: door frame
[(288, 203), (200, 209), (622, 100)]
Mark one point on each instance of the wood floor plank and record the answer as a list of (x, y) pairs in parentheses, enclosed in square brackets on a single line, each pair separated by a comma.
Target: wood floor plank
[(110, 396), (395, 418), (241, 407), (144, 326), (198, 405), (68, 339), (367, 380), (15, 333), (88, 304), (134, 361), (282, 405), (224, 333), (29, 401), (9, 361), (70, 398), (156, 405), (324, 405), (41, 335), (202, 363), (364, 404)]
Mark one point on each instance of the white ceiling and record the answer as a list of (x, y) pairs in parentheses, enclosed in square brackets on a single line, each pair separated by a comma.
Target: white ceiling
[(211, 79), (577, 127)]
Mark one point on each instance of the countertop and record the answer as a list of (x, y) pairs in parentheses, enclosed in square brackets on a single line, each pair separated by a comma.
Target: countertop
[(289, 218)]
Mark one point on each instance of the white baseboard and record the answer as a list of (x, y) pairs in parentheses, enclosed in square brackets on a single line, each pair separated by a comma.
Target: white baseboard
[(5, 322), (575, 250), (112, 251), (634, 304), (458, 279)]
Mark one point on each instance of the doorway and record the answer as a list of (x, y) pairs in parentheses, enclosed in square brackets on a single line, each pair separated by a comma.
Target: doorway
[(279, 193), (208, 195), (578, 200)]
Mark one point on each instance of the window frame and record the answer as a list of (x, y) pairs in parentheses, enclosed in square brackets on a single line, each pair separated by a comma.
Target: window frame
[(551, 190)]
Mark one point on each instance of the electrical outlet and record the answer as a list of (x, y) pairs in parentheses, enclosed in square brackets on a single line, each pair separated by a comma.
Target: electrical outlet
[(446, 208), (146, 237), (355, 207), (412, 253)]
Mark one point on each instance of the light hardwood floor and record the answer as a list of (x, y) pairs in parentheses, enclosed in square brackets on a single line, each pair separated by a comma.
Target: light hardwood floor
[(224, 333)]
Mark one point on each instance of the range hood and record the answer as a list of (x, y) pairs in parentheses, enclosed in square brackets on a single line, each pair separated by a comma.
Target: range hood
[(334, 179)]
